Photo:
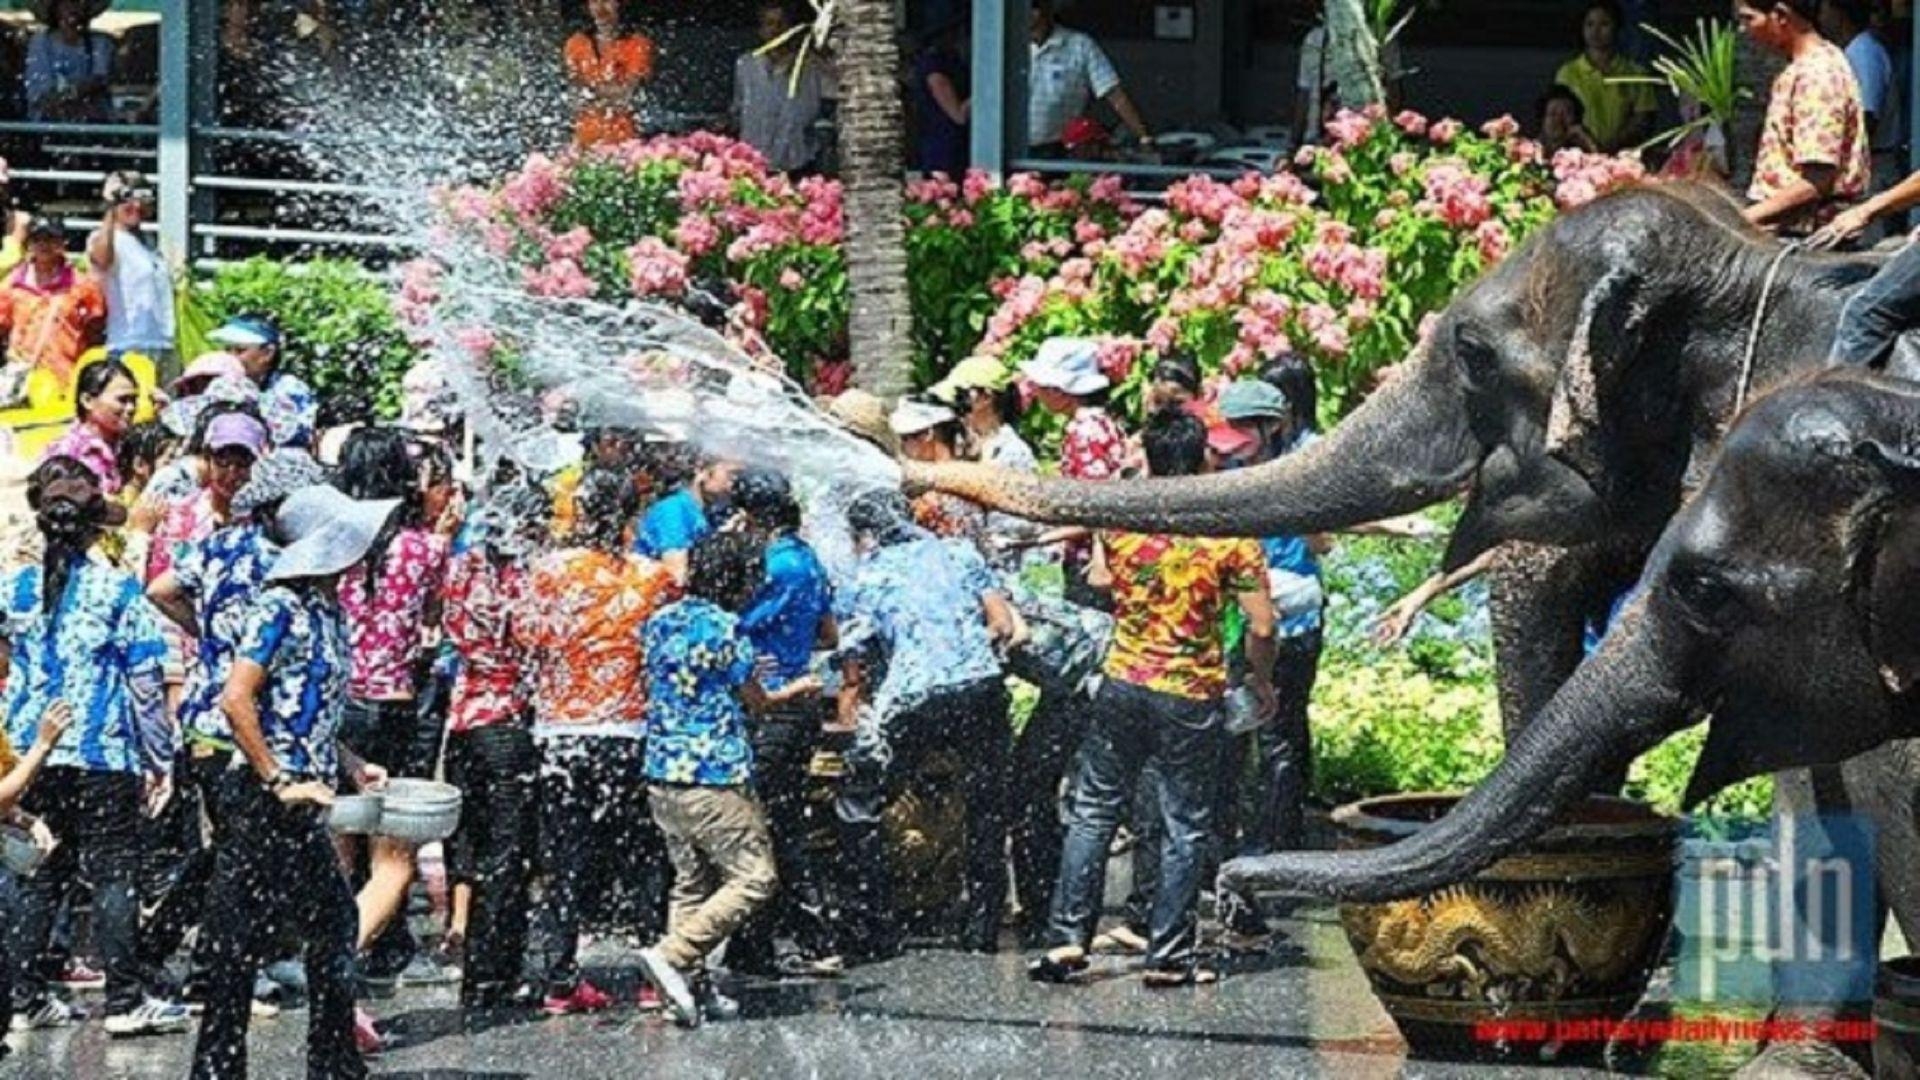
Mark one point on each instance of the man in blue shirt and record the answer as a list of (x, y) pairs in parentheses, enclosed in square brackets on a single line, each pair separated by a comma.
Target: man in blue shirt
[(788, 618), (930, 611), (674, 524)]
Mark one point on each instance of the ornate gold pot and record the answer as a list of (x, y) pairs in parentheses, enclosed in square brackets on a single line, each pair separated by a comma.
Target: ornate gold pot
[(1569, 928)]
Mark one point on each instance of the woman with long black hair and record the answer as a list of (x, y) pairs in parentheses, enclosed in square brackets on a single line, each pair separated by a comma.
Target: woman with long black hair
[(81, 632), (105, 396)]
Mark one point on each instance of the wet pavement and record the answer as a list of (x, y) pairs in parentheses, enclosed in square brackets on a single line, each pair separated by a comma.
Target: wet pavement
[(1300, 1009)]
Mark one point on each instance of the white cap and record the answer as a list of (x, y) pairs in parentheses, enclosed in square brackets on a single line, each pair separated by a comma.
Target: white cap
[(1068, 364)]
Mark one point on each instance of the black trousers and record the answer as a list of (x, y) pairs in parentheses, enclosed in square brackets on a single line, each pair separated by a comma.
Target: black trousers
[(1262, 809), (96, 816), (593, 815), (276, 871), (783, 744), (176, 867), (973, 718), (497, 770)]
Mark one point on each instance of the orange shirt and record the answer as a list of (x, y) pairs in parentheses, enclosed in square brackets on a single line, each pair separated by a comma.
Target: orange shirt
[(51, 326), (627, 63), (585, 609)]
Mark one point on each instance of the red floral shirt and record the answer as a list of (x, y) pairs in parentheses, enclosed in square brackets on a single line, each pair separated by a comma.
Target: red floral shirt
[(1169, 593), (386, 626), (1814, 117), (480, 602), (1094, 447)]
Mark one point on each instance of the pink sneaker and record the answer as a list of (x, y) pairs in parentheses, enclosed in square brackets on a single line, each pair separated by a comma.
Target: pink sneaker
[(366, 1037), (77, 975), (650, 999), (585, 998)]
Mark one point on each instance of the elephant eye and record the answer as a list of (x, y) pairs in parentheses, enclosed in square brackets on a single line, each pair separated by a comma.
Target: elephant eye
[(1477, 357), (1706, 593)]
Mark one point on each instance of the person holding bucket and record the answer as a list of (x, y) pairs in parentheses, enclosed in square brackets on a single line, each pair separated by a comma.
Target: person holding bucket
[(277, 869)]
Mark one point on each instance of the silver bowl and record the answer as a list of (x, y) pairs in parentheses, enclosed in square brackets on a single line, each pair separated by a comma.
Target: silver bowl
[(359, 814)]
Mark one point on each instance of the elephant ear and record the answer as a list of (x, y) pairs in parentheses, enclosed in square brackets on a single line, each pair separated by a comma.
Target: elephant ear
[(1888, 566), (1612, 318)]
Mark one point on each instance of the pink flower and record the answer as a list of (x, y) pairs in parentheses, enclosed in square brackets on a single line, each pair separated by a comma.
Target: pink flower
[(1525, 152), (1087, 230), (1493, 239), (1411, 122), (657, 270), (1402, 163), (561, 278), (1117, 357), (478, 342), (1349, 129), (1110, 190), (696, 234), (537, 186), (1457, 194), (1500, 127), (831, 378), (960, 219), (1444, 131), (791, 280), (1164, 332), (703, 190), (978, 185), (571, 244), (1026, 186)]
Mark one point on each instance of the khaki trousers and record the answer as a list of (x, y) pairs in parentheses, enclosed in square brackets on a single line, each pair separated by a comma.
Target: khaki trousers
[(722, 864)]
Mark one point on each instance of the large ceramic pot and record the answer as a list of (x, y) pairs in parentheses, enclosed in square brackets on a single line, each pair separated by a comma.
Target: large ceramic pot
[(1568, 928)]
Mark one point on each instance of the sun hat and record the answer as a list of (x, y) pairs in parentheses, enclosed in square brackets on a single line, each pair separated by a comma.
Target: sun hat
[(914, 417), (245, 332), (237, 429), (326, 532), (64, 486), (205, 369), (276, 476), (866, 416), (1067, 364), (973, 373), (182, 417), (1252, 399)]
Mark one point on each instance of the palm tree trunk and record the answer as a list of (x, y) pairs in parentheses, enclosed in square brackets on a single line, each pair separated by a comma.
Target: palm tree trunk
[(872, 163), (1754, 69)]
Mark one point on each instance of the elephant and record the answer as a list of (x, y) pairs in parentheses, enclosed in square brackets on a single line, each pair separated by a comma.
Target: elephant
[(1571, 392), (1777, 605)]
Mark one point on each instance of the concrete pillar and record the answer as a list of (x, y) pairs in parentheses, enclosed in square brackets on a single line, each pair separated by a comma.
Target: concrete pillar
[(173, 179), (1000, 58)]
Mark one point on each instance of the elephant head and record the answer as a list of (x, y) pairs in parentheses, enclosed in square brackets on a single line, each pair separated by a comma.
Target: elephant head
[(1605, 347), (1778, 602)]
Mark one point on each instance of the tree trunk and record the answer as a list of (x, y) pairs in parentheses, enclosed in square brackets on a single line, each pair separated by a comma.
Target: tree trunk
[(1754, 69), (872, 164)]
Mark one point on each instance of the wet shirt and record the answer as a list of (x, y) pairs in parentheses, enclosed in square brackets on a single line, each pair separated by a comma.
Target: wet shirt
[(581, 624), (697, 659), (1813, 118), (482, 599), (223, 574), (84, 443), (1293, 573), (300, 640), (675, 523), (1094, 447), (102, 655), (916, 606), (387, 624), (1169, 593), (783, 619)]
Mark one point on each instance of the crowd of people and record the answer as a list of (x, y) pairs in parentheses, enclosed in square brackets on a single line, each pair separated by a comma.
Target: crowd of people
[(640, 672)]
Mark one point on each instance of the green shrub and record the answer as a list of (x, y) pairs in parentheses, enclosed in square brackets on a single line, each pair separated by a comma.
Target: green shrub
[(338, 320)]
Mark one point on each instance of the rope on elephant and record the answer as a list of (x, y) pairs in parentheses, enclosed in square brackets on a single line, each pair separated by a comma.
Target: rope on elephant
[(1759, 318)]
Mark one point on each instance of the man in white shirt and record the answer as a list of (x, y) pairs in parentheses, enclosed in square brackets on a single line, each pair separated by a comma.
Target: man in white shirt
[(772, 109), (1067, 73)]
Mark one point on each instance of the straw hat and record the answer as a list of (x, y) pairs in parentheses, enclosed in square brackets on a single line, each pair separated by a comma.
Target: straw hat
[(866, 416)]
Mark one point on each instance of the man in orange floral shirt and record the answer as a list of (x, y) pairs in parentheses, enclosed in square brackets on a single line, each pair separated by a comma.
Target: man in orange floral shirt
[(1165, 675), (1813, 159), (586, 605)]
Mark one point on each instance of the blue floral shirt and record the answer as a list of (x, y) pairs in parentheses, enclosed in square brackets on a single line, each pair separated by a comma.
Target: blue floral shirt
[(1293, 572), (222, 574), (103, 655), (290, 410), (916, 606), (300, 638), (783, 620), (675, 523), (697, 657)]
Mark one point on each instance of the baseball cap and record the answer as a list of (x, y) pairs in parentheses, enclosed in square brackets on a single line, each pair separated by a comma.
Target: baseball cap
[(45, 228), (973, 373), (246, 332), (1252, 399), (1068, 364)]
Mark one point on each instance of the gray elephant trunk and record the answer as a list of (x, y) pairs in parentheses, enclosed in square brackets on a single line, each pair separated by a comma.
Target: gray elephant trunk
[(1406, 448), (1618, 705)]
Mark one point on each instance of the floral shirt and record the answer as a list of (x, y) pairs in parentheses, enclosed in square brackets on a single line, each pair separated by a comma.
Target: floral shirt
[(916, 607), (783, 619), (388, 623), (101, 654), (584, 611), (1169, 593), (187, 522), (223, 574), (480, 602), (1094, 447), (697, 658), (84, 441), (1813, 118), (289, 409), (299, 638), (952, 517)]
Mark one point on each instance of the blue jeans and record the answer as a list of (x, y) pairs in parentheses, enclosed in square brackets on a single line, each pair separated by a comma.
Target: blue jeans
[(1133, 726), (1874, 317)]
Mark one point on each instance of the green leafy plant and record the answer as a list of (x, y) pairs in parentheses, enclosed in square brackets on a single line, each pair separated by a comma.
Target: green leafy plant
[(338, 320), (1700, 67)]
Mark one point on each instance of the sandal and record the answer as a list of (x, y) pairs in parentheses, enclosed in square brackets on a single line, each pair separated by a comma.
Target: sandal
[(1169, 978), (1058, 966)]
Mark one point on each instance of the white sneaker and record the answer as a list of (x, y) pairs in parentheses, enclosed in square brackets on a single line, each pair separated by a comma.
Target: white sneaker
[(153, 1017), (48, 1014), (264, 1010), (672, 985)]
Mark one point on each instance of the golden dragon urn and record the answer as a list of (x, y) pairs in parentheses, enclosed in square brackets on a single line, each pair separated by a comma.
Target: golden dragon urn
[(1557, 936)]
